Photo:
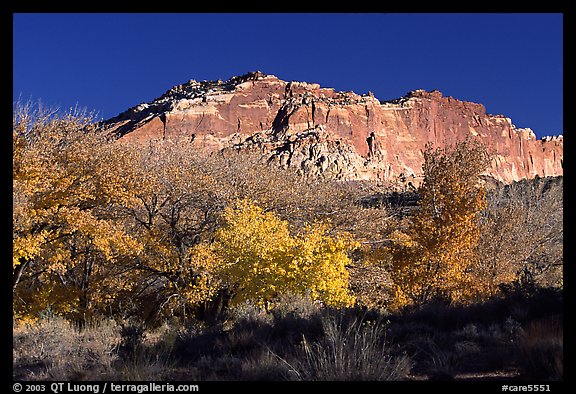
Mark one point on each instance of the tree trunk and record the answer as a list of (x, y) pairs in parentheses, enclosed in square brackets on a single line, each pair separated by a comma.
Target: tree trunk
[(17, 274)]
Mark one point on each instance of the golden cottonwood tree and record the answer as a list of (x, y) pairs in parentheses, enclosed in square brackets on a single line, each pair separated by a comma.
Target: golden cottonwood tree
[(105, 227), (66, 182), (262, 260), (437, 253)]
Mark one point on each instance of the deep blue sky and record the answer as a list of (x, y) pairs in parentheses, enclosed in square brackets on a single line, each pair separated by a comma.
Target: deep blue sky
[(511, 63)]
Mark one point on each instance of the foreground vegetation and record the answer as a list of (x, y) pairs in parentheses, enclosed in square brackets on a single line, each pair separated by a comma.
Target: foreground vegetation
[(164, 261), (514, 338)]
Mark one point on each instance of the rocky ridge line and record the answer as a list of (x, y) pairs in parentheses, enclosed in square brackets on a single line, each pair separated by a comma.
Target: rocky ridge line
[(323, 132)]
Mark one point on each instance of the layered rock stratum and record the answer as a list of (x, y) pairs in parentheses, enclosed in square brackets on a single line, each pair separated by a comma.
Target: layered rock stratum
[(324, 132)]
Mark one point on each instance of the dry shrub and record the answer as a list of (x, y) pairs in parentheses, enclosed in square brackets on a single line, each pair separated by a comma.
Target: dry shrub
[(371, 283), (540, 350), (522, 233), (53, 349)]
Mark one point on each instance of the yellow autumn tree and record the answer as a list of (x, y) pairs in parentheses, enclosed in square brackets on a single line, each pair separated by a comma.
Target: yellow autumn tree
[(436, 255), (66, 182), (262, 260)]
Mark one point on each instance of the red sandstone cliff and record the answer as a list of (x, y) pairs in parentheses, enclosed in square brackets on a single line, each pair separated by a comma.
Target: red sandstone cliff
[(340, 134)]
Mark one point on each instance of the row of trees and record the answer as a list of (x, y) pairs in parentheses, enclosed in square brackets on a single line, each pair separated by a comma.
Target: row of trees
[(100, 227), (105, 228)]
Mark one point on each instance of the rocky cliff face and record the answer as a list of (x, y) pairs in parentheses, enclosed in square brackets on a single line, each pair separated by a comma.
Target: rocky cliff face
[(323, 132)]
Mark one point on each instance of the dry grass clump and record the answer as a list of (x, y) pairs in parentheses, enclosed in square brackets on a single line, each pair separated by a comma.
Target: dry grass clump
[(351, 350)]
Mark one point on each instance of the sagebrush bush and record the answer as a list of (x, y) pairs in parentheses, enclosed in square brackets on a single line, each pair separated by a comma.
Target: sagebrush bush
[(53, 349)]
